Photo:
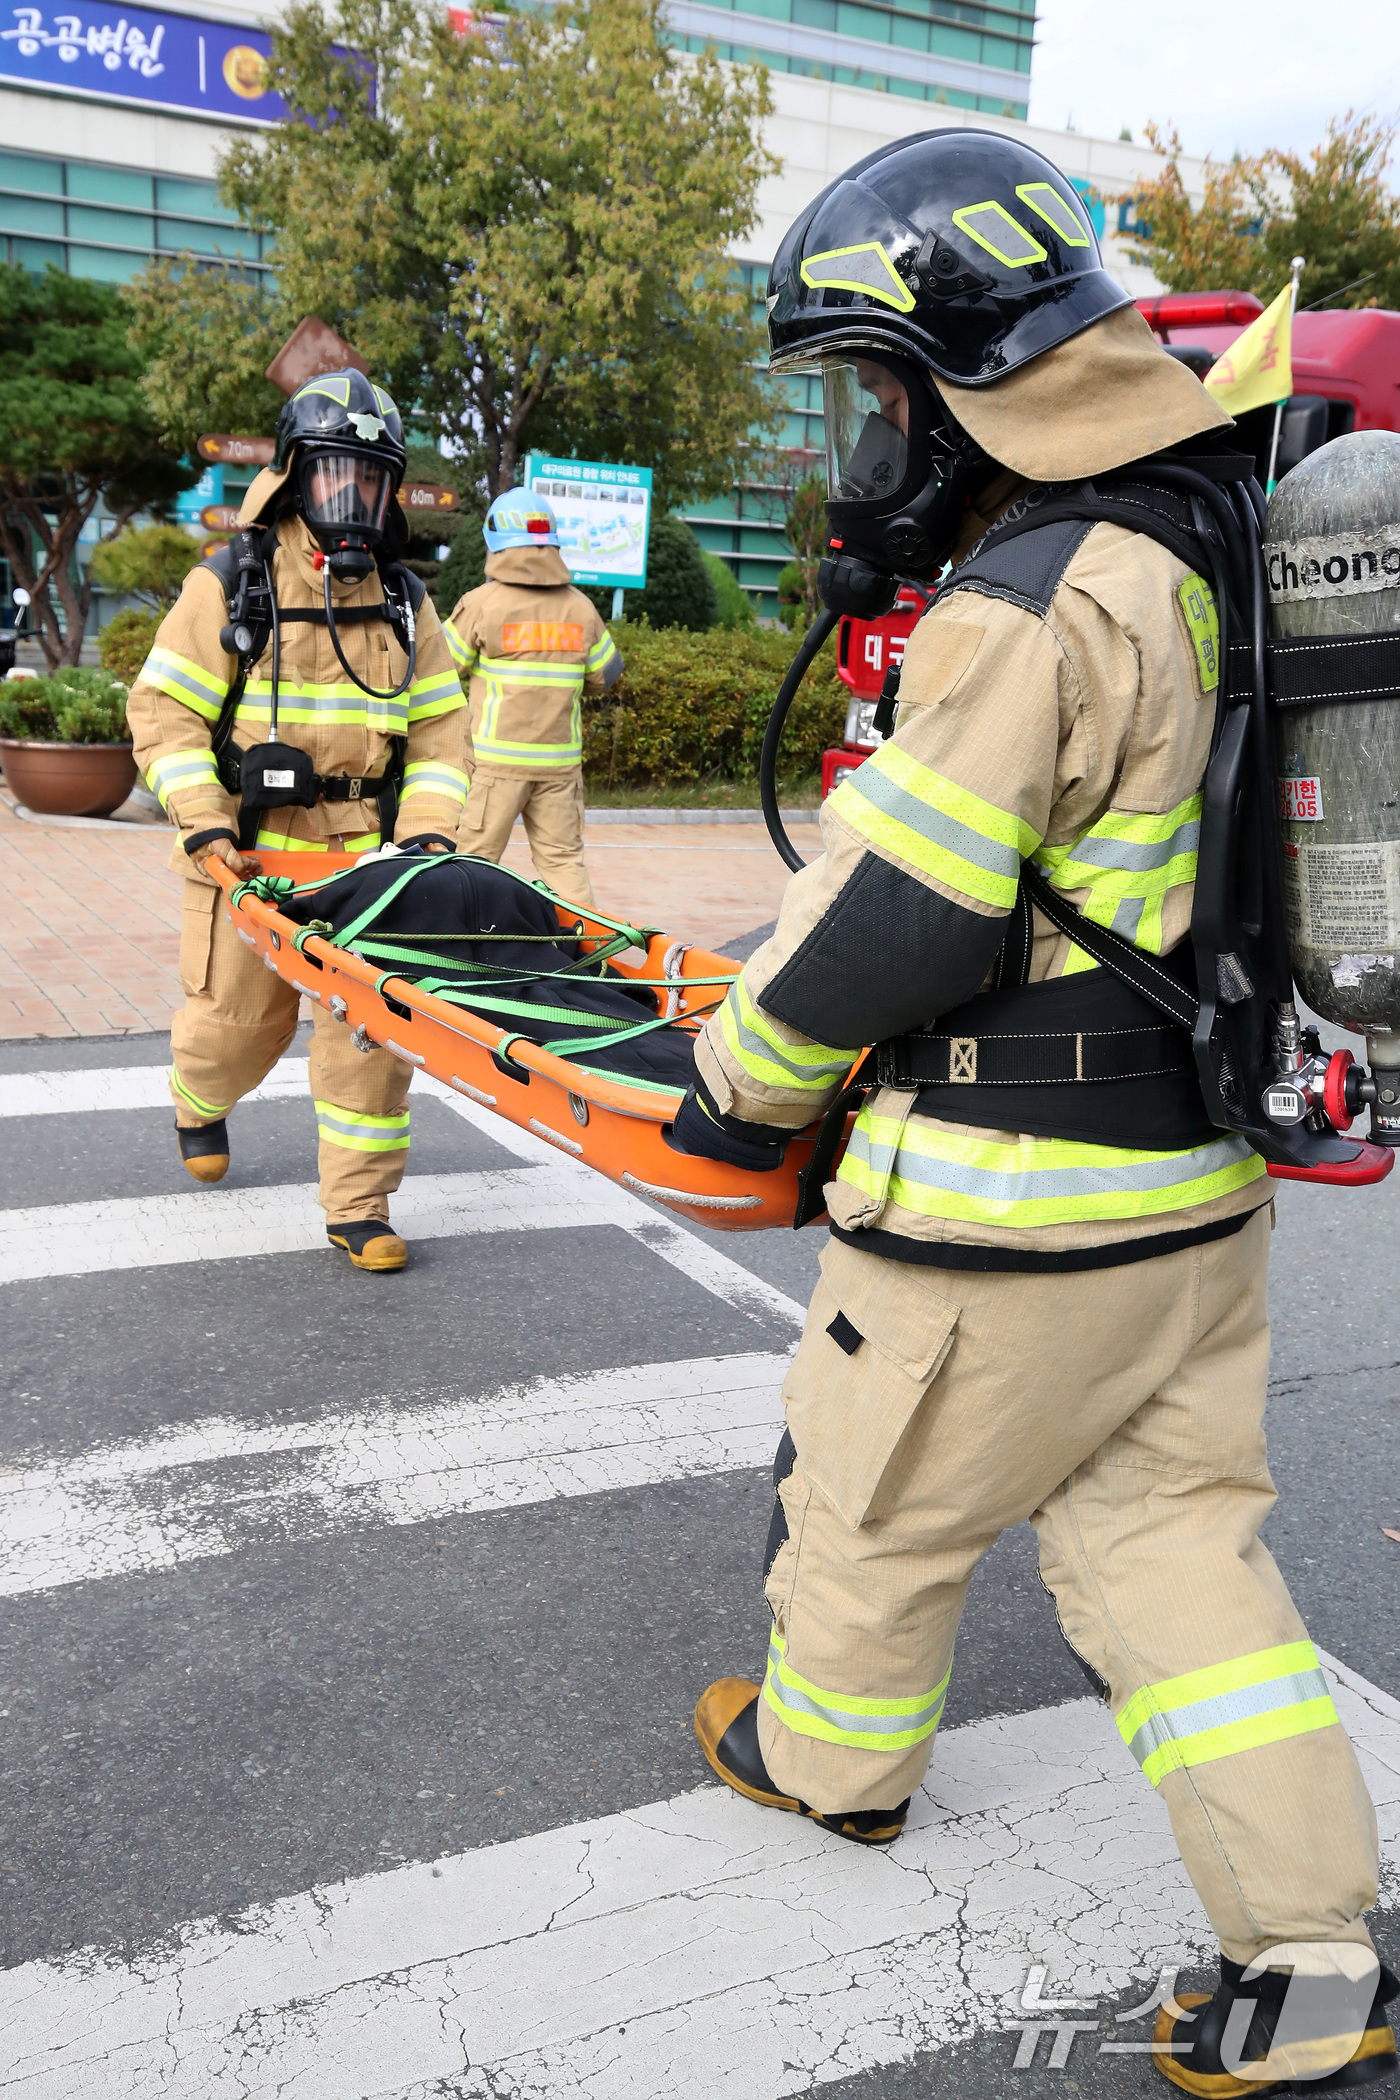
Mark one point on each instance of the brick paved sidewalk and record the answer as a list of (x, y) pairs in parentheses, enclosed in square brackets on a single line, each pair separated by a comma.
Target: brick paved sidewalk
[(90, 920)]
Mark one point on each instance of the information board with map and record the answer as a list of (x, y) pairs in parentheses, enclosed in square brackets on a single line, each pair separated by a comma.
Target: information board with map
[(604, 516)]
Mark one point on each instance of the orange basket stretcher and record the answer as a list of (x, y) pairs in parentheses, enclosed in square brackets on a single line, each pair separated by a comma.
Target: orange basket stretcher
[(618, 1128)]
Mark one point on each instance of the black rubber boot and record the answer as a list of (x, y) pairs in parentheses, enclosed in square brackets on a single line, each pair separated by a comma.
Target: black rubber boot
[(1201, 2069), (726, 1727), (204, 1150), (370, 1244)]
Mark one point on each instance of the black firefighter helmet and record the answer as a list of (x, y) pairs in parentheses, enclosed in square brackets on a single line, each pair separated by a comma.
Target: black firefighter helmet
[(955, 254), (341, 437)]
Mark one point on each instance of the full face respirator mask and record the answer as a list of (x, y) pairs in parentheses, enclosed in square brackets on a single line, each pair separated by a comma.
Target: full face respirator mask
[(344, 499)]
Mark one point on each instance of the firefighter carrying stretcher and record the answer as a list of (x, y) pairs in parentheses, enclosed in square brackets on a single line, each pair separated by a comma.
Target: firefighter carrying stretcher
[(532, 646), (300, 695), (1044, 1295)]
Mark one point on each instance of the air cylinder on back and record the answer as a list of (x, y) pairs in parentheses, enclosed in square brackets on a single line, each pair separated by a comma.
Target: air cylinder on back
[(1333, 556)]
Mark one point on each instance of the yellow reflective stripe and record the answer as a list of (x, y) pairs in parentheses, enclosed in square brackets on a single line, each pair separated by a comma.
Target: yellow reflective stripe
[(755, 1044), (843, 1717), (1265, 1697), (438, 695), (280, 842), (356, 1133), (187, 682), (462, 655), (210, 1110), (326, 706), (181, 769), (936, 826), (599, 654), (1040, 1181), (434, 777), (1127, 854)]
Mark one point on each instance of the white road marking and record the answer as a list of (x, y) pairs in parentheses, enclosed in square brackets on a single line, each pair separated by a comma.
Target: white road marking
[(224, 1484), (697, 1945), (151, 1232), (82, 1092), (78, 1239)]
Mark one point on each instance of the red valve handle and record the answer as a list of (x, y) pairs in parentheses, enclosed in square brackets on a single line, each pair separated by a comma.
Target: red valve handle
[(1334, 1090)]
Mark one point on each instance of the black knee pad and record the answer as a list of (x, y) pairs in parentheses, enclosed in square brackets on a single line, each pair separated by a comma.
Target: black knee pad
[(783, 1464)]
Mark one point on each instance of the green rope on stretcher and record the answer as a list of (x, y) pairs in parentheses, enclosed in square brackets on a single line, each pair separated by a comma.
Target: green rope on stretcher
[(268, 889), (321, 929)]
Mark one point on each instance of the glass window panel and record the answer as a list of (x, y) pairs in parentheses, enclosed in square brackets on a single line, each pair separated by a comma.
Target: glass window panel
[(110, 185), (201, 199), (775, 10), (23, 171), (910, 34), (954, 43), (30, 215), (37, 255), (915, 89), (1000, 51), (869, 22), (106, 265), (179, 234), (815, 14), (126, 227)]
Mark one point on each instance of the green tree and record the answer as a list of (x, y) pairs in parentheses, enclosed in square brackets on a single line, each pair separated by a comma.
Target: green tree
[(680, 590), (1332, 207), (525, 229), (75, 430), (147, 561), (805, 531)]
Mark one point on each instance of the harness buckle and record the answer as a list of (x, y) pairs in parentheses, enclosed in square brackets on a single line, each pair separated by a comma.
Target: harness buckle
[(355, 787), (962, 1060)]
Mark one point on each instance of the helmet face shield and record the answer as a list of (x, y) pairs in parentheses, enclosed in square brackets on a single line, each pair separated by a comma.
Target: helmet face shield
[(867, 431), (342, 490)]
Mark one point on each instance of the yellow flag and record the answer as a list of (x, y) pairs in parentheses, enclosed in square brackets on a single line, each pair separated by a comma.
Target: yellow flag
[(1258, 367)]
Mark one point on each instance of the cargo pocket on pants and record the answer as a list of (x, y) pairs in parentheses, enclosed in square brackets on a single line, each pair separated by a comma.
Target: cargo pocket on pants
[(875, 1340), (197, 934), (473, 820)]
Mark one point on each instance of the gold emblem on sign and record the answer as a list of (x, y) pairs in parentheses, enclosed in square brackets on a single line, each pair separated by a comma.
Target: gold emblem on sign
[(245, 71)]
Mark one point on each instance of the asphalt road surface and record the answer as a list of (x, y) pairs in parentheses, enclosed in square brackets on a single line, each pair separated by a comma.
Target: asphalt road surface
[(352, 1627)]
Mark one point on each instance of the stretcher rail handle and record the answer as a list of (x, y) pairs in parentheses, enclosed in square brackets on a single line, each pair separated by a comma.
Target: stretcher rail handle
[(593, 1087)]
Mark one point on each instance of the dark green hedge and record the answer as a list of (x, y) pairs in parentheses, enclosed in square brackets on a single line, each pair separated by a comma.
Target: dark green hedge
[(695, 706)]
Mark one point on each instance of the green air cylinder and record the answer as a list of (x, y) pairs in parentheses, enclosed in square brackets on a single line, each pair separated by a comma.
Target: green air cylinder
[(1333, 557)]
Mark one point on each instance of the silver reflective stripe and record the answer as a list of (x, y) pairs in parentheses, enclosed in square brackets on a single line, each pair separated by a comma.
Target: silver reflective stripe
[(902, 807), (969, 1178), (1125, 919), (759, 1046), (367, 1126), (849, 1720), (1094, 852), (1178, 1722)]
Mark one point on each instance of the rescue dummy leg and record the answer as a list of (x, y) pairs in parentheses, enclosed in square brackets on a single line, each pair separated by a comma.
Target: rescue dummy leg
[(362, 1116), (237, 1020)]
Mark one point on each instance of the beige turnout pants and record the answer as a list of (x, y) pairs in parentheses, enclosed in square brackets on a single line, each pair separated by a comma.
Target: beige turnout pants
[(1121, 1411), (552, 807), (237, 1020)]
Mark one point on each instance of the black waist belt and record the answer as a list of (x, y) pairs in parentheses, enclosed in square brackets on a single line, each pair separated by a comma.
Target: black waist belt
[(1085, 1057), (350, 787), (1082, 1057)]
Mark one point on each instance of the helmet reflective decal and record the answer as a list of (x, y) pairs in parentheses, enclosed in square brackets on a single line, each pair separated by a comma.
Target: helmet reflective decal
[(865, 268), (386, 406), (335, 386), (367, 427), (993, 228), (1051, 206)]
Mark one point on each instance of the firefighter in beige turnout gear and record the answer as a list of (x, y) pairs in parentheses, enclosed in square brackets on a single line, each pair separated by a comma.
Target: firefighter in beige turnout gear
[(531, 646), (238, 1017), (1069, 1327)]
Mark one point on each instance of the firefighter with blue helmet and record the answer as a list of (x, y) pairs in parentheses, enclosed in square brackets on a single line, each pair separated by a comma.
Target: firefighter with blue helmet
[(529, 646), (1044, 1292)]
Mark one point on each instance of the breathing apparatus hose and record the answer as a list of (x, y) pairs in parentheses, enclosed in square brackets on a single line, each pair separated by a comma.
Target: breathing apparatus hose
[(773, 735), (405, 682)]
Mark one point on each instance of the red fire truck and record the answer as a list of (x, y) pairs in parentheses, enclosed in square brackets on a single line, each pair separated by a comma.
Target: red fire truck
[(1346, 368)]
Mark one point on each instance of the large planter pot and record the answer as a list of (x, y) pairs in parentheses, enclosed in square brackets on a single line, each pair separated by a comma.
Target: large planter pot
[(67, 780)]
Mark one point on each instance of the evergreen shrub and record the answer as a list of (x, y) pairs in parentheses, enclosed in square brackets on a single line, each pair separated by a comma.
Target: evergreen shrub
[(126, 641), (78, 704), (693, 707)]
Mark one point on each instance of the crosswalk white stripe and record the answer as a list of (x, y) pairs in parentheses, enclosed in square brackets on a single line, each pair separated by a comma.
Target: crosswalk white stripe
[(150, 1232), (152, 1503), (92, 1088), (78, 1239), (697, 1945)]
